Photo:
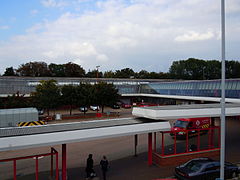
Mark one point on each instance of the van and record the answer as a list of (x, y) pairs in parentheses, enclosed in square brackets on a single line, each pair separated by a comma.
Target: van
[(190, 123)]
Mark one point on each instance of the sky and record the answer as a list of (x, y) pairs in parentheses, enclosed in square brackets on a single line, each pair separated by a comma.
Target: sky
[(116, 34)]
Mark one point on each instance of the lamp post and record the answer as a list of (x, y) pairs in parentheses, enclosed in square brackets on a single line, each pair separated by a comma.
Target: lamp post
[(97, 67), (222, 150)]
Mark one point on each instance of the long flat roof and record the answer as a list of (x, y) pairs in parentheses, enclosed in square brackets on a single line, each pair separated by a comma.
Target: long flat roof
[(48, 135), (185, 111), (195, 98)]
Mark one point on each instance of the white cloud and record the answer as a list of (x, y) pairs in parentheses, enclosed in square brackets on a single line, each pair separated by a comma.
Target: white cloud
[(53, 3), (195, 36), (34, 12), (139, 34), (5, 27)]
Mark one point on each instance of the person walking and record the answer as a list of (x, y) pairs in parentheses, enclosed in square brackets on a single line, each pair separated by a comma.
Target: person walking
[(104, 166), (89, 169)]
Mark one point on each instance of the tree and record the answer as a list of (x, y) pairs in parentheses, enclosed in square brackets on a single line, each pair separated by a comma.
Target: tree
[(68, 96), (84, 95), (125, 73), (33, 69), (56, 70), (232, 69), (104, 94), (109, 74), (47, 95), (10, 72), (94, 74), (17, 101), (73, 70)]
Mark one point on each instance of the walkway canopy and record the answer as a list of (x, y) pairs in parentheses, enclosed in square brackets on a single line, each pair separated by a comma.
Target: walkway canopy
[(185, 111), (62, 133)]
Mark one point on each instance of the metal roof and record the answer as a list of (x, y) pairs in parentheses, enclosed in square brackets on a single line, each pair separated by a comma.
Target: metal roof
[(185, 111), (195, 98)]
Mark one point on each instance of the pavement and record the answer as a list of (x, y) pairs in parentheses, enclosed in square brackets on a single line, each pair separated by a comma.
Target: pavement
[(129, 168)]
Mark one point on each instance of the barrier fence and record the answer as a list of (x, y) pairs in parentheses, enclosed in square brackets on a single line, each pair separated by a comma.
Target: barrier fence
[(36, 158)]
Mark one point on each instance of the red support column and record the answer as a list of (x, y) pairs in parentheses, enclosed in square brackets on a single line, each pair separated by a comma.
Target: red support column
[(52, 162), (36, 168), (162, 143), (14, 170), (198, 141), (155, 142), (175, 143), (64, 162), (57, 173), (149, 149)]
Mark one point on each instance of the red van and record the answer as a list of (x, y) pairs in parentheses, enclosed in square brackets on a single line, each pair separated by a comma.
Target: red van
[(190, 123)]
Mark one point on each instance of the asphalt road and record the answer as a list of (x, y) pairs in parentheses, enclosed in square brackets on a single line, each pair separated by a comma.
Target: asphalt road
[(117, 150)]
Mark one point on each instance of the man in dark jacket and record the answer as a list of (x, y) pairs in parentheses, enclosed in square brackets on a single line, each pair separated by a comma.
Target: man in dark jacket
[(89, 169), (104, 166)]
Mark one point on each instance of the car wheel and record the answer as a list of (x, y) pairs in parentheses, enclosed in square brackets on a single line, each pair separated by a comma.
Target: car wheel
[(234, 174)]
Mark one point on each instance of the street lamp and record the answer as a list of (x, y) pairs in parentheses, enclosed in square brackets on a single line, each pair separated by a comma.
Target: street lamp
[(222, 149), (97, 67)]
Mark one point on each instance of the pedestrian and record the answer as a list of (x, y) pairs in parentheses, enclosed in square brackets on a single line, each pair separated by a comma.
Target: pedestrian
[(89, 169), (104, 166)]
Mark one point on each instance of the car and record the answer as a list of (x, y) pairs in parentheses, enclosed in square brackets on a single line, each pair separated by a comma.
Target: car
[(83, 109), (205, 168), (40, 111), (126, 106), (115, 106), (94, 107)]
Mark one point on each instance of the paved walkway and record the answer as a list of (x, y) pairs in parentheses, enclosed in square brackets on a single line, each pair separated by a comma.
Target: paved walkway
[(129, 168)]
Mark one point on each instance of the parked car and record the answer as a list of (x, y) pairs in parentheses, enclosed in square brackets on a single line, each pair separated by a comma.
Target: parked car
[(40, 111), (126, 106), (205, 168), (83, 109), (94, 108), (115, 106)]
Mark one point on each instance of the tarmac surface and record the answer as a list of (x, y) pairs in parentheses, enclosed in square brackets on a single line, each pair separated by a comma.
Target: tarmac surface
[(129, 168), (125, 166)]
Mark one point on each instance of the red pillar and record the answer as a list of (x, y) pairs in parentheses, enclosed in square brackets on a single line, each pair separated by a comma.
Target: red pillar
[(162, 143), (149, 149), (155, 142), (14, 170), (36, 167), (64, 162), (57, 174)]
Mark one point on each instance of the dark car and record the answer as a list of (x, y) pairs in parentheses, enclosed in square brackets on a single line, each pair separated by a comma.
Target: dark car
[(205, 168)]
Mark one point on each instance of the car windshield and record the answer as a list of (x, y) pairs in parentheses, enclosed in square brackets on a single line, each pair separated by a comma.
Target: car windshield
[(182, 124), (193, 166)]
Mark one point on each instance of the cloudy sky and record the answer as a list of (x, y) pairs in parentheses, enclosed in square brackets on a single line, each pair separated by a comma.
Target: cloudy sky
[(115, 34)]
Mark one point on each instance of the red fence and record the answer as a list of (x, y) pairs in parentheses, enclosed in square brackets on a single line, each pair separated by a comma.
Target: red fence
[(186, 134), (36, 157)]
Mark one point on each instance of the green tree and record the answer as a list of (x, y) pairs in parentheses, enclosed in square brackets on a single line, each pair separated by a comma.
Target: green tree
[(10, 72), (109, 74), (232, 69), (104, 94), (94, 74), (33, 69), (68, 96), (125, 73), (56, 70), (73, 70), (47, 95), (84, 95), (17, 101)]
